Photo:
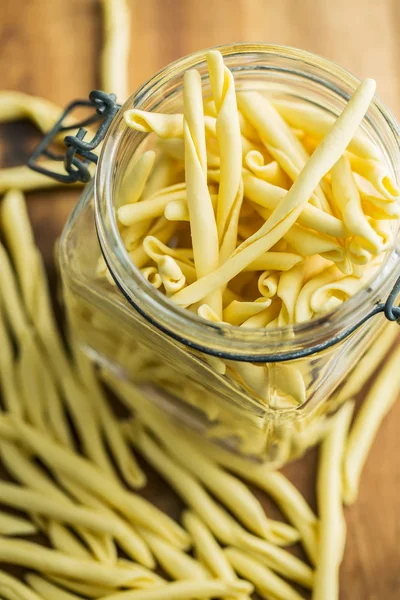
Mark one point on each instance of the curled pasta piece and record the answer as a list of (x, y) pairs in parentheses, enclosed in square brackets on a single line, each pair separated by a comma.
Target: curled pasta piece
[(303, 309), (317, 121), (136, 177), (271, 171), (171, 275), (163, 230), (267, 584), (238, 311), (152, 275), (202, 220), (377, 174), (379, 400), (332, 531), (348, 202), (268, 284), (289, 286), (164, 125)]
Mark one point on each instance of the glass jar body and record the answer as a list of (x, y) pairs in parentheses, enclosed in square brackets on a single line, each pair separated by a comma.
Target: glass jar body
[(206, 378)]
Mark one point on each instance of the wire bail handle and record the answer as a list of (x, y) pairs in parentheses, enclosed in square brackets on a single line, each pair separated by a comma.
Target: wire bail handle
[(77, 158), (79, 154)]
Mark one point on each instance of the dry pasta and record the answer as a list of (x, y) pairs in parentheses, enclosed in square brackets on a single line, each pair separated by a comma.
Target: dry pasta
[(377, 403), (332, 531), (33, 556), (115, 51), (12, 589), (83, 472), (12, 525), (265, 581), (285, 215)]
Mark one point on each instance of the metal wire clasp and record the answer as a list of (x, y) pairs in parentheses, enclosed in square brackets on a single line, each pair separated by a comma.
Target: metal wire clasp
[(79, 154)]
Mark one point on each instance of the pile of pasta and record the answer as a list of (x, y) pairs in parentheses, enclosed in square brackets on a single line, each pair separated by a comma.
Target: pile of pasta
[(255, 209), (71, 513), (71, 469)]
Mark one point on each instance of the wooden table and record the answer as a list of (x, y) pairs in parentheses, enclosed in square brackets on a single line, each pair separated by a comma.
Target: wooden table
[(51, 48)]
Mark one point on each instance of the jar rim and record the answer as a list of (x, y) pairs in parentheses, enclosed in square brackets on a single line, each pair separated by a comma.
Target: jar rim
[(221, 339)]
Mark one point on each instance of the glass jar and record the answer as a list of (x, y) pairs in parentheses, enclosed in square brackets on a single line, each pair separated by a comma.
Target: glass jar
[(213, 377)]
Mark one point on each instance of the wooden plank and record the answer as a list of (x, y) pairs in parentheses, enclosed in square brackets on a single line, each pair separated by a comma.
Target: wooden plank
[(50, 48)]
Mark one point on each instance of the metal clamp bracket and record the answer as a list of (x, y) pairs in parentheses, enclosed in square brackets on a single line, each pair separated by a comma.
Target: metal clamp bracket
[(79, 154)]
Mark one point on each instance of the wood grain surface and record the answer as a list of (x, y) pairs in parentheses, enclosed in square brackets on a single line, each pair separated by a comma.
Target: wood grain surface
[(51, 48)]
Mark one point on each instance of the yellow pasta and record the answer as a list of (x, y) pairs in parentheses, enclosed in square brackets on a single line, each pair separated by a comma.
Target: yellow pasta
[(171, 275), (12, 589), (83, 472), (174, 562), (186, 590), (13, 525), (203, 226), (33, 556), (153, 207), (29, 500), (27, 180), (17, 105), (221, 524), (265, 581), (136, 177), (379, 400), (290, 283), (115, 51), (8, 380), (271, 172), (332, 531), (377, 174), (368, 363), (285, 215), (278, 138), (276, 485), (63, 539), (237, 312), (269, 196), (48, 590), (348, 202), (83, 589), (165, 126), (126, 536), (230, 150), (228, 489), (317, 121)]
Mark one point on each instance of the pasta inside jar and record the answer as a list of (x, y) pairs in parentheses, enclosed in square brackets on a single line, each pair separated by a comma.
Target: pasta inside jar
[(246, 208)]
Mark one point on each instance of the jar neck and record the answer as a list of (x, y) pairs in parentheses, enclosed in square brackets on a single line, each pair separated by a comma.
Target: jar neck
[(304, 74)]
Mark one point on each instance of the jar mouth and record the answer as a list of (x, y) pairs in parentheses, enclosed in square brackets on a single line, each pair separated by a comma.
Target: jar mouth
[(225, 340)]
